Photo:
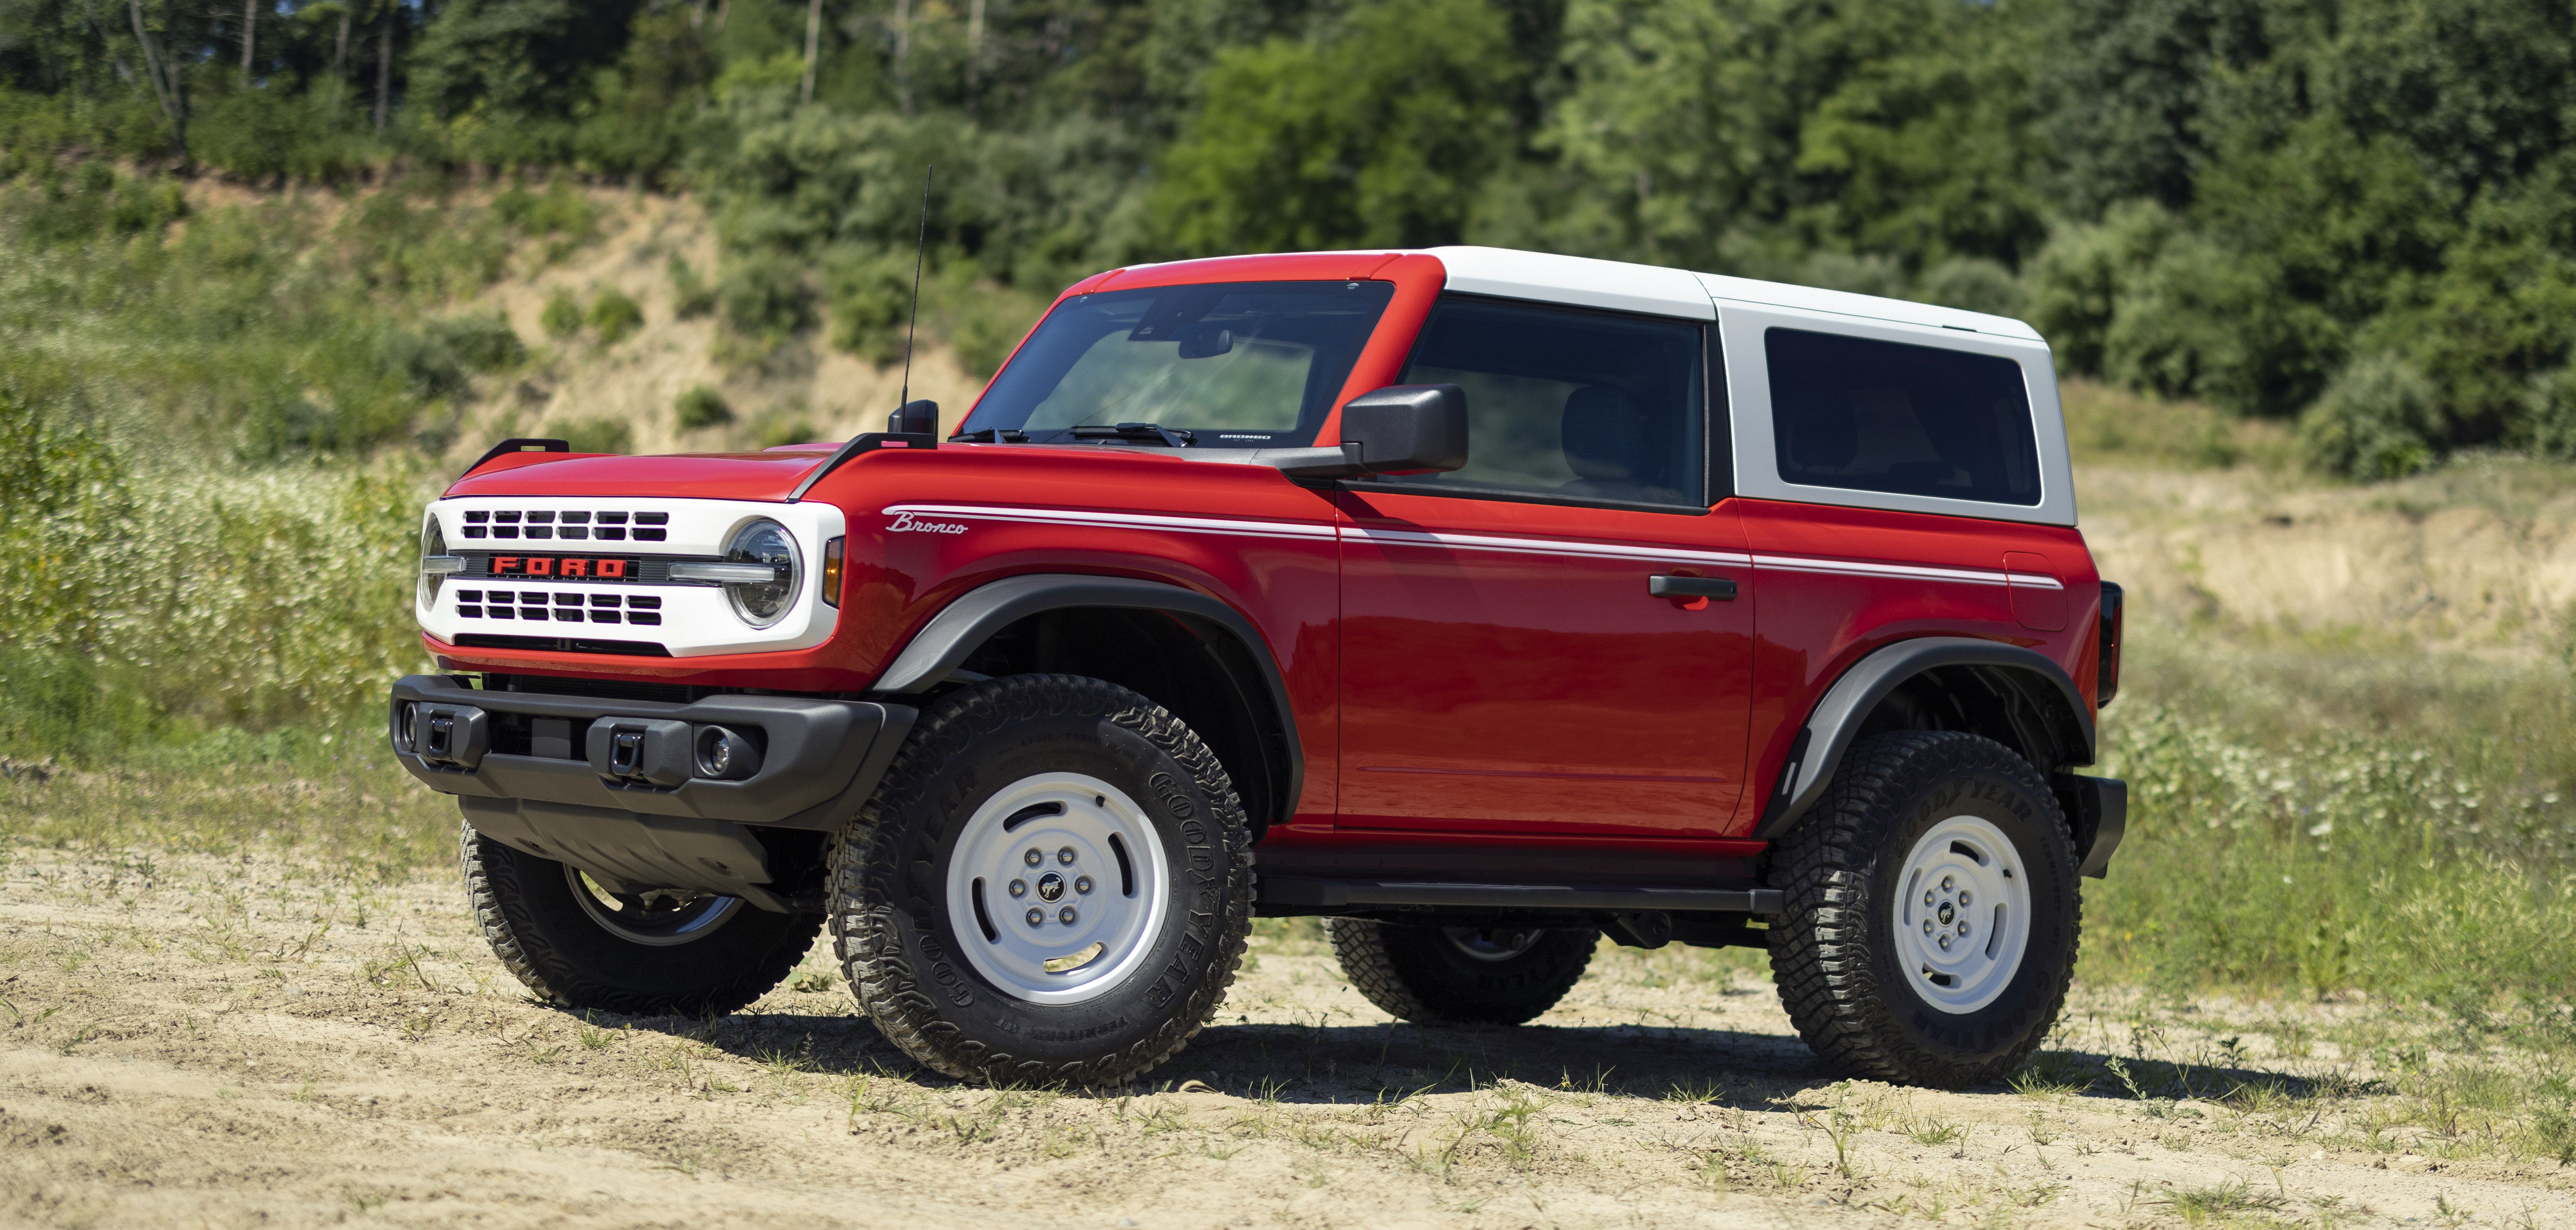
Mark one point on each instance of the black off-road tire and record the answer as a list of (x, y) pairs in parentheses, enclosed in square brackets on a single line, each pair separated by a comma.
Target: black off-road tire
[(1833, 950), (891, 926), (526, 908), (1419, 974)]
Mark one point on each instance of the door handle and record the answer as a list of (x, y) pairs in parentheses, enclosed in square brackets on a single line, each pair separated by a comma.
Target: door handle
[(1719, 588)]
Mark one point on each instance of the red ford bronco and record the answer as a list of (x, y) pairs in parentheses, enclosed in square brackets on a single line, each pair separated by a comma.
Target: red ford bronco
[(1482, 603)]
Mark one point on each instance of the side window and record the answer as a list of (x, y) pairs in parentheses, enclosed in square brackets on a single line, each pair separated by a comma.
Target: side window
[(1569, 403), (1868, 415)]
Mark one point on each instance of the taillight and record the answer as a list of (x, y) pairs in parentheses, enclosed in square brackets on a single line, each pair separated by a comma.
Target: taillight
[(832, 573), (2107, 681)]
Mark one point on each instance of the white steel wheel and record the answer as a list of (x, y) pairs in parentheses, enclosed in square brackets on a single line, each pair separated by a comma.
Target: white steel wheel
[(1056, 888), (1963, 914), (659, 919)]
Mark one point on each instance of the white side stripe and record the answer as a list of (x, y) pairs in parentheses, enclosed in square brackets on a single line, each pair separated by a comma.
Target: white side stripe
[(1856, 568), (1547, 546), (1114, 520), (1311, 530)]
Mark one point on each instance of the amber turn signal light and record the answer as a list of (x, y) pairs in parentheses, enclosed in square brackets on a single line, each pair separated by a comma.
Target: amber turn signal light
[(832, 573)]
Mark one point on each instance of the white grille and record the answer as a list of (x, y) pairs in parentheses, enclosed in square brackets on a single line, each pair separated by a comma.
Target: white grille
[(632, 600)]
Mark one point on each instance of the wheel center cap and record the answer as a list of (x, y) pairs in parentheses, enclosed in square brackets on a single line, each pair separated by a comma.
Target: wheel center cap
[(1050, 887), (1948, 915)]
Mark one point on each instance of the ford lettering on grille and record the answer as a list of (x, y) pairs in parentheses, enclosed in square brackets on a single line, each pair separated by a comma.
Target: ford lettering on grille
[(574, 567)]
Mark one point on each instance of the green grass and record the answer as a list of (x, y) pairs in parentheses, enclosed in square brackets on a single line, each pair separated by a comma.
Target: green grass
[(329, 794), (2315, 818)]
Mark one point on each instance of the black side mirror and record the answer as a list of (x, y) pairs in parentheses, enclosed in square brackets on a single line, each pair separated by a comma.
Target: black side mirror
[(1407, 427), (914, 418)]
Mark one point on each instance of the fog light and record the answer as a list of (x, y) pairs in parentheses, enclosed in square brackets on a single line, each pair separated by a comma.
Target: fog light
[(725, 755), (404, 717)]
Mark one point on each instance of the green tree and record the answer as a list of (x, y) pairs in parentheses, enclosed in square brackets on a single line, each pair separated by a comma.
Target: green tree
[(1378, 131)]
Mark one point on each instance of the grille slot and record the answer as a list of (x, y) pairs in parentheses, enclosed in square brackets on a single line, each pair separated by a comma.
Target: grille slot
[(563, 644), (567, 523), (613, 689)]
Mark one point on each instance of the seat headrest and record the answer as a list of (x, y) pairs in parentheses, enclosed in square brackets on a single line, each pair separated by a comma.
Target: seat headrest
[(1608, 436), (1823, 438)]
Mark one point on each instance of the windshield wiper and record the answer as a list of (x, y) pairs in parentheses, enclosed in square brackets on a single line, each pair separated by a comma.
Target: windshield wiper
[(1176, 437), (992, 435)]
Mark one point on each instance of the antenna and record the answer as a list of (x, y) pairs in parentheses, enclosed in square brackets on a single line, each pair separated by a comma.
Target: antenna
[(919, 243)]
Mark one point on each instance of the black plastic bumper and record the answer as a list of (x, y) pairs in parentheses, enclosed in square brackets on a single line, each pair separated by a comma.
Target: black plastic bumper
[(820, 759), (2098, 810)]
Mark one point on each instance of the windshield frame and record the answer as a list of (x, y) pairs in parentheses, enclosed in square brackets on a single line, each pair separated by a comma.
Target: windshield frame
[(1370, 355)]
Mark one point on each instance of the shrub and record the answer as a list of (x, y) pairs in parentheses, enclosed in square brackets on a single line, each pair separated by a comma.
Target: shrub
[(562, 317), (789, 430), (481, 341), (764, 297), (2377, 420), (1860, 275), (989, 323), (2551, 404), (1975, 284), (2076, 281), (871, 294), (702, 407), (615, 316), (437, 359), (561, 212), (601, 434), (691, 297)]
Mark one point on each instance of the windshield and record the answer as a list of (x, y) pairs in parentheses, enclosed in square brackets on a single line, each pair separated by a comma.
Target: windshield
[(1225, 365)]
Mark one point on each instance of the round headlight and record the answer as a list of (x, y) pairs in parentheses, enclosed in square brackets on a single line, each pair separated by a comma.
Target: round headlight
[(432, 544), (762, 603)]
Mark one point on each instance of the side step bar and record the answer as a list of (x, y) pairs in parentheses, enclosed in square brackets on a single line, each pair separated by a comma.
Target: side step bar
[(1310, 893)]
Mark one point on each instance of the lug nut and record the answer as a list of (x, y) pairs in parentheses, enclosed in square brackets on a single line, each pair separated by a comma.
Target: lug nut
[(1948, 883), (1019, 888), (1082, 884), (1065, 916), (1945, 940), (1964, 898), (1963, 928), (1927, 896), (1927, 923), (1033, 858), (1065, 856), (1037, 918)]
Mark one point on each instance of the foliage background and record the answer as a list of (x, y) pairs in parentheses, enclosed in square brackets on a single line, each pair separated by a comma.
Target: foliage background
[(2355, 211)]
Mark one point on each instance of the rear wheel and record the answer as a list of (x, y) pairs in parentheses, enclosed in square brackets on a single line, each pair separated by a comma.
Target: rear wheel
[(1461, 975), (577, 944), (1932, 912)]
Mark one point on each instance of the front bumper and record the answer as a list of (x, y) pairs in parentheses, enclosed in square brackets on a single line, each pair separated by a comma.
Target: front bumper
[(817, 758)]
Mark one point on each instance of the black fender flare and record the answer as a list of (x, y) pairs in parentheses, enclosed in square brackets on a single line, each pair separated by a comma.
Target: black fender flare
[(1818, 750), (960, 628)]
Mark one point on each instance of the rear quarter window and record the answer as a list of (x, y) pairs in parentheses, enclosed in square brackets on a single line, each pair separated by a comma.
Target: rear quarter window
[(1868, 415)]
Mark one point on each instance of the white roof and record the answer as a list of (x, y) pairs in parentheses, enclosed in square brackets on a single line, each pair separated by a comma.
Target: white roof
[(1621, 286)]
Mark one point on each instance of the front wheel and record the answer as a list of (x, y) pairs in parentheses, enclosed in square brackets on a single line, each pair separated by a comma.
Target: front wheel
[(1052, 885), (577, 944), (1932, 912)]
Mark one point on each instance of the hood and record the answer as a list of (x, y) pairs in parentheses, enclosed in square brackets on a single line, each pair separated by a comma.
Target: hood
[(712, 476)]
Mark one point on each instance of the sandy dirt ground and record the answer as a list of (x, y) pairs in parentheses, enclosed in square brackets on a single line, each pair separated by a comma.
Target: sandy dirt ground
[(203, 1042)]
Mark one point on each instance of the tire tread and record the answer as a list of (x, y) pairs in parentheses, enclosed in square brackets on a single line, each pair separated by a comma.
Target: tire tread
[(864, 935)]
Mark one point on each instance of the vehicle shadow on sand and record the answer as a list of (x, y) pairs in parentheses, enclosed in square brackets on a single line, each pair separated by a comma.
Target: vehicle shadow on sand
[(1328, 1063), (1337, 1063)]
